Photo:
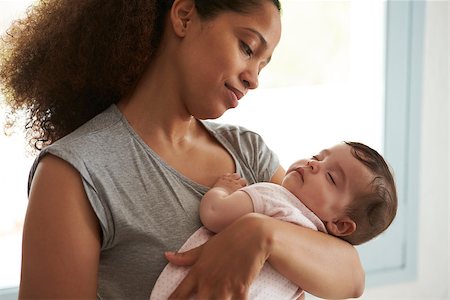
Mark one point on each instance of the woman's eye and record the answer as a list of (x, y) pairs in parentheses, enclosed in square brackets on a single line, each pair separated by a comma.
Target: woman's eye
[(315, 157), (246, 48)]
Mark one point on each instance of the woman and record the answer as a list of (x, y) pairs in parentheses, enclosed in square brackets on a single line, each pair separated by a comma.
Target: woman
[(108, 198)]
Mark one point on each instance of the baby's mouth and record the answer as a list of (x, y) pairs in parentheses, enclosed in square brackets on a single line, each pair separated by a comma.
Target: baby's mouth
[(301, 171)]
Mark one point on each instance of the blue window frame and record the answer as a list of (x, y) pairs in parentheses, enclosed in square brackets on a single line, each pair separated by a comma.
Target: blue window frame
[(393, 257)]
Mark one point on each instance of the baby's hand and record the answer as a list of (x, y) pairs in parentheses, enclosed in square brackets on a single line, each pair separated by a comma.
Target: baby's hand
[(231, 182)]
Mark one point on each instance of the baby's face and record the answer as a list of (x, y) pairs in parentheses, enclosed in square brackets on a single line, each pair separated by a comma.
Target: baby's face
[(327, 182)]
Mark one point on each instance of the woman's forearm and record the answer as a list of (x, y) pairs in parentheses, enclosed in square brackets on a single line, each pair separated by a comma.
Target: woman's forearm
[(320, 264)]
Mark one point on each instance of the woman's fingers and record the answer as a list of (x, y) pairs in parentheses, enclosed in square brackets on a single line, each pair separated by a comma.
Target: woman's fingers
[(187, 258), (226, 265), (205, 288)]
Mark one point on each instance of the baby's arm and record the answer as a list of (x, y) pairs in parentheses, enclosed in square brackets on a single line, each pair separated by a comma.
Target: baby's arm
[(223, 203)]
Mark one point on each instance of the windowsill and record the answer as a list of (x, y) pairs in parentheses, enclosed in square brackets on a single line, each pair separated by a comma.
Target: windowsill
[(9, 293)]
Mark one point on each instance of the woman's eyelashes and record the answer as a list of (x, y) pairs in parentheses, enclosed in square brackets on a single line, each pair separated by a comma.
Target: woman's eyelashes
[(246, 49)]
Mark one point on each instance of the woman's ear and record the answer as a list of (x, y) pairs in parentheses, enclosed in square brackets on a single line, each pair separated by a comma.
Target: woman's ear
[(341, 227), (181, 15)]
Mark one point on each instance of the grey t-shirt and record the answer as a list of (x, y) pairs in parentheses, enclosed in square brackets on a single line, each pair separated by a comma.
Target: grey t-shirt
[(143, 205)]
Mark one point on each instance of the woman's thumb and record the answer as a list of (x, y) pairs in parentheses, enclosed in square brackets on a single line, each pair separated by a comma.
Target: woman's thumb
[(187, 258)]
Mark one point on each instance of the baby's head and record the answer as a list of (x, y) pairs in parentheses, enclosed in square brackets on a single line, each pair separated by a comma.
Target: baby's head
[(349, 187)]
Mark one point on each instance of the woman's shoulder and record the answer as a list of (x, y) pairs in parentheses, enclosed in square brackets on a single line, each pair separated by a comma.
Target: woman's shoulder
[(224, 127), (98, 125), (253, 156), (234, 134), (91, 141), (104, 128)]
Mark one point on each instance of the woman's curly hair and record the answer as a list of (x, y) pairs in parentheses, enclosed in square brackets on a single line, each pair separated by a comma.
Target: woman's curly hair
[(67, 61), (64, 63)]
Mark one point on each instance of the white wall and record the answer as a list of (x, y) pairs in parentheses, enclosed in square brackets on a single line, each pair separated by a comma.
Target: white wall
[(432, 275)]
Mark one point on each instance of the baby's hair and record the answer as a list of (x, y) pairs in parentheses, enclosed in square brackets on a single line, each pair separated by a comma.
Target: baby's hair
[(67, 61), (373, 212)]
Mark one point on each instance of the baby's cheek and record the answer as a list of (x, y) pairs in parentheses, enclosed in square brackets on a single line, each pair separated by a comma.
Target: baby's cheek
[(320, 207)]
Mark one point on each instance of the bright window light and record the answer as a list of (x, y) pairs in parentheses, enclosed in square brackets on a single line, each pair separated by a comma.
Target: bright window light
[(325, 83), (15, 163)]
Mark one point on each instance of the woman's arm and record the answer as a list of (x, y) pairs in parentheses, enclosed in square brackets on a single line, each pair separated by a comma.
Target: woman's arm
[(319, 263), (278, 176), (61, 238)]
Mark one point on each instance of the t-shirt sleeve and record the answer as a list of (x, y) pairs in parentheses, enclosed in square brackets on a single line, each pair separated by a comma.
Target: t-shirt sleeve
[(99, 207), (257, 160), (264, 161)]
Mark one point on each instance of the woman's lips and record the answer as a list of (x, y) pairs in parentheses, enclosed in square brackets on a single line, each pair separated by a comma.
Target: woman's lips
[(233, 99), (236, 92), (235, 95)]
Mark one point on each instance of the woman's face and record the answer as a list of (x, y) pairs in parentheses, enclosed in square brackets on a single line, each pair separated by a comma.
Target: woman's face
[(220, 59)]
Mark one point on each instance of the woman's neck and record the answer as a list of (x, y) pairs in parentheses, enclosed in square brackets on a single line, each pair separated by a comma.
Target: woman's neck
[(155, 109)]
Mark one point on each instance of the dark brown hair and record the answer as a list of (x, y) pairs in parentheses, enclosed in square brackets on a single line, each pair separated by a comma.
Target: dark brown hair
[(69, 60), (373, 212)]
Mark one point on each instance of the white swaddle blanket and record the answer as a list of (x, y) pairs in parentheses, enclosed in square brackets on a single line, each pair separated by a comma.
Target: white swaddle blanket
[(268, 199)]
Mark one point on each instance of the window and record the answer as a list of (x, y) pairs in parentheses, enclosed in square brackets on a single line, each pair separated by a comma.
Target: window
[(325, 83)]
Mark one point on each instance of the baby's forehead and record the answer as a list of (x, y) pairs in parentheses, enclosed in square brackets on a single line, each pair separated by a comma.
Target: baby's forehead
[(351, 162), (337, 149)]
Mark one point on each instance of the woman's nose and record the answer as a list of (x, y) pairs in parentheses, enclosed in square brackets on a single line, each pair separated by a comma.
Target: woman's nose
[(250, 78)]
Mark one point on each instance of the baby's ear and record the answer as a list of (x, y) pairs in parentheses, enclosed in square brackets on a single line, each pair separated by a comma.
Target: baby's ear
[(341, 227)]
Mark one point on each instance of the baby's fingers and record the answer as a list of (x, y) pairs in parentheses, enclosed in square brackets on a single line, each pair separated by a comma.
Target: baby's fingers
[(243, 182), (235, 176)]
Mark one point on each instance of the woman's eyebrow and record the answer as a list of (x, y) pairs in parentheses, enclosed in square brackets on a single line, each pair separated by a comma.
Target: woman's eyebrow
[(258, 34), (261, 39)]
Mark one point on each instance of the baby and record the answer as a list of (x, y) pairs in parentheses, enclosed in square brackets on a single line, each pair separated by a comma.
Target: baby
[(347, 191)]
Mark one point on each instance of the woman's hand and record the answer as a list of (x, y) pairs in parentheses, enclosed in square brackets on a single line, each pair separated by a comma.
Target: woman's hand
[(225, 266)]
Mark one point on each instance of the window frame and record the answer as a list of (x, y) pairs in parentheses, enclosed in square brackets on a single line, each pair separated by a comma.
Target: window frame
[(405, 25)]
